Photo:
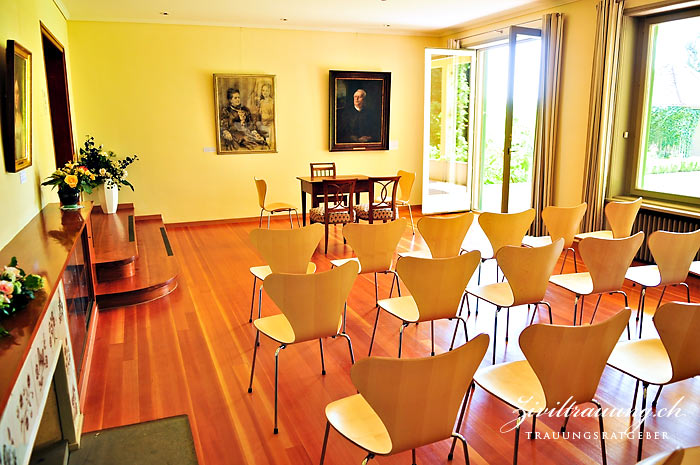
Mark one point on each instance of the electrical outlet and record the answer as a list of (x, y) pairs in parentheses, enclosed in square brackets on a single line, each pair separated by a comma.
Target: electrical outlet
[(22, 177)]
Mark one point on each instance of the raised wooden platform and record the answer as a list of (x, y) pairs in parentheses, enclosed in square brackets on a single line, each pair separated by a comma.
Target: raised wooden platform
[(135, 263)]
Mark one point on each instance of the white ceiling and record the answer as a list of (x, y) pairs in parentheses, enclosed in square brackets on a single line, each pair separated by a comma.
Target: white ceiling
[(419, 17)]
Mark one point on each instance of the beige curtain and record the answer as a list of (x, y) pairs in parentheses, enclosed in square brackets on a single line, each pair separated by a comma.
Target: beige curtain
[(453, 43), (601, 110), (547, 116)]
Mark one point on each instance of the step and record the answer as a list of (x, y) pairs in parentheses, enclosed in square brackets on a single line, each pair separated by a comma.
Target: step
[(155, 269), (114, 238)]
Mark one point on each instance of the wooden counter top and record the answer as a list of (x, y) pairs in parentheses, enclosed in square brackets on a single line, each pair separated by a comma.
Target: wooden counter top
[(43, 247)]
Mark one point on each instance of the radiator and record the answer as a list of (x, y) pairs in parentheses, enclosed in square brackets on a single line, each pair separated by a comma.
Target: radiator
[(650, 221)]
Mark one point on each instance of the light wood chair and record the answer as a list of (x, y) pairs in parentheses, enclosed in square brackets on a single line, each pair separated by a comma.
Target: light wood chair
[(284, 251), (406, 404), (607, 261), (382, 200), (673, 357), (406, 180), (374, 246), (312, 307), (442, 234), (272, 208), (689, 456), (436, 286), (620, 216), (673, 254), (337, 205), (561, 222), (527, 271), (563, 367)]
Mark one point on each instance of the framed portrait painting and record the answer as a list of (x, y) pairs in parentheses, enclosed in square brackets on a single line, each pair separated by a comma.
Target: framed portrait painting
[(245, 113), (18, 134), (359, 110)]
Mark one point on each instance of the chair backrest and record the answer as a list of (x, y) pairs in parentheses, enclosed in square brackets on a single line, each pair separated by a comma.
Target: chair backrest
[(563, 222), (312, 303), (569, 360), (322, 169), (676, 457), (607, 260), (405, 184), (437, 284), (678, 325), (287, 250), (528, 269), (382, 195), (417, 399), (621, 216), (261, 186), (375, 244), (506, 228), (673, 253), (338, 197), (444, 235)]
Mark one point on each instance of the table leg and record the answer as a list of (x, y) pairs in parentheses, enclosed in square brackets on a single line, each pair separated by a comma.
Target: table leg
[(303, 206)]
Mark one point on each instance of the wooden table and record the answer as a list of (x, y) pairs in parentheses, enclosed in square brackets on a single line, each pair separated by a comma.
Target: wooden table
[(314, 187)]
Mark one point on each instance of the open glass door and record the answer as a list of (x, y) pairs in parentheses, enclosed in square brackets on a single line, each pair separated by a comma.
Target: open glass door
[(446, 140), (508, 77)]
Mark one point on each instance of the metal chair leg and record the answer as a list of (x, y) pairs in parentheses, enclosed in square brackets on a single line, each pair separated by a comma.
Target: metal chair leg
[(602, 431), (521, 416), (450, 456), (403, 325), (534, 425), (369, 457), (255, 353), (323, 363), (371, 342), (413, 456), (345, 315), (580, 312), (352, 354), (262, 210), (575, 308), (658, 393), (296, 212), (376, 291), (325, 441), (575, 264), (645, 386), (596, 308), (413, 229), (566, 419), (269, 215), (634, 398), (291, 225), (687, 290), (495, 332), (566, 253), (252, 299), (432, 338), (464, 446), (661, 298), (507, 322), (260, 301), (277, 352), (549, 309)]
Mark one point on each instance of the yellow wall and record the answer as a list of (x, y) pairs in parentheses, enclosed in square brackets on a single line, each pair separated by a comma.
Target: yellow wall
[(577, 60), (148, 89), (19, 21)]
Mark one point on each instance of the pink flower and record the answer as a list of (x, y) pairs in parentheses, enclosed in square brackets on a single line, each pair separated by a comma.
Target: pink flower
[(13, 270), (6, 288)]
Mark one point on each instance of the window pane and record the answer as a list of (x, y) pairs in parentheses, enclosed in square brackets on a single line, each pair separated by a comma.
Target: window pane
[(670, 154)]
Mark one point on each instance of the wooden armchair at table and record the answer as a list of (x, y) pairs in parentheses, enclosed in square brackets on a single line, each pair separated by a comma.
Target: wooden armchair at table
[(673, 254), (406, 180), (621, 216), (374, 246), (436, 286), (673, 357), (527, 271), (272, 208), (312, 307), (563, 366), (337, 204), (321, 170), (442, 234), (561, 222), (405, 404), (382, 200), (285, 251), (607, 261)]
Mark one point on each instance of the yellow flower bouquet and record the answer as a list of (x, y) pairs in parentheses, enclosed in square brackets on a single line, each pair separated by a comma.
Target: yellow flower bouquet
[(71, 180)]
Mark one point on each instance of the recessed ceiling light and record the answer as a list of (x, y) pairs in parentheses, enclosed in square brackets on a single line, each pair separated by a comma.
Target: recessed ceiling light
[(387, 25), (283, 19), (164, 13)]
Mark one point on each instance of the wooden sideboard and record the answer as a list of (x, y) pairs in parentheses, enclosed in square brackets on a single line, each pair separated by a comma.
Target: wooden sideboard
[(48, 344)]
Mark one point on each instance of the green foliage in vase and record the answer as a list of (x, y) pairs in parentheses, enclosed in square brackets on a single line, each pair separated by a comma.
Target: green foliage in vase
[(108, 168), (16, 290)]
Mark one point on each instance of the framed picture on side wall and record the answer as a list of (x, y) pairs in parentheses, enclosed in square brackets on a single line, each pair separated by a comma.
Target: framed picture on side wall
[(18, 115), (359, 110), (245, 113)]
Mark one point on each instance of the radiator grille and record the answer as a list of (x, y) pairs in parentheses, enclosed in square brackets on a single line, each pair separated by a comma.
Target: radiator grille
[(650, 221)]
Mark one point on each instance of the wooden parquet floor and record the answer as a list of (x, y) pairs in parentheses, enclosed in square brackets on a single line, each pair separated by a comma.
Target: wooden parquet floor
[(190, 353)]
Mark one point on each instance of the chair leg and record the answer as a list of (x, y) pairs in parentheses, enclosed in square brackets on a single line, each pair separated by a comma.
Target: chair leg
[(345, 315), (661, 298), (413, 230), (645, 386), (326, 249), (255, 353), (369, 457), (580, 312), (432, 338), (495, 331), (352, 354), (596, 307), (269, 215), (602, 431), (521, 416), (296, 212), (261, 215), (575, 308), (575, 264), (252, 299), (634, 398), (566, 253), (371, 342), (534, 425), (291, 225), (403, 325), (323, 363), (277, 353), (376, 291), (640, 310), (566, 419), (325, 441), (260, 301), (624, 294), (507, 322), (413, 456), (687, 290), (478, 282), (658, 393), (470, 390), (464, 446)]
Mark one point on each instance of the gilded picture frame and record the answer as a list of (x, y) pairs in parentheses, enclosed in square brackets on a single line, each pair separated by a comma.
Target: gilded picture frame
[(359, 110), (18, 117), (245, 113)]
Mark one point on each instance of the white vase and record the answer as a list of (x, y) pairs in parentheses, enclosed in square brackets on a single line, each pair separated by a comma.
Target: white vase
[(109, 198)]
